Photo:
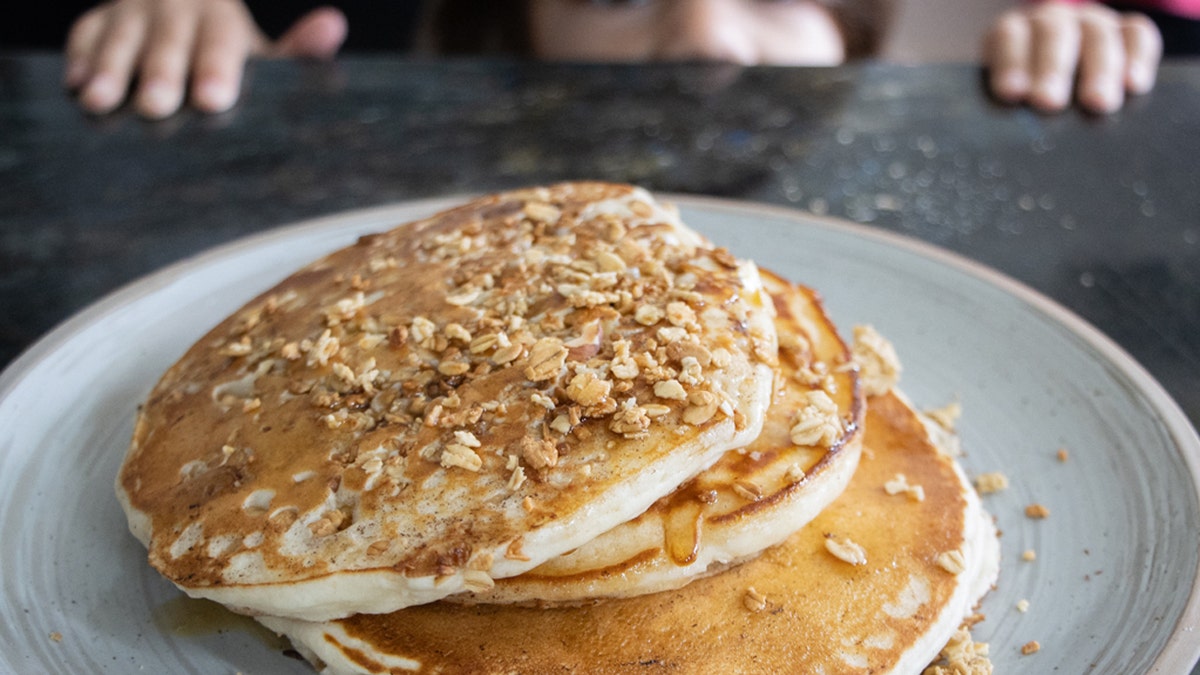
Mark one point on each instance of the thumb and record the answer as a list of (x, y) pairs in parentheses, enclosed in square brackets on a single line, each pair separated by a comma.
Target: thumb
[(318, 34)]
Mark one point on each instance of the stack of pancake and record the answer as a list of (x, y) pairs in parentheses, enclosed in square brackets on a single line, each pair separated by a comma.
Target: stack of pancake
[(556, 429)]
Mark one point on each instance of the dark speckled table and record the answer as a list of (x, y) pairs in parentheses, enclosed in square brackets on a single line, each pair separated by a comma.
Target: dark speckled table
[(1101, 214)]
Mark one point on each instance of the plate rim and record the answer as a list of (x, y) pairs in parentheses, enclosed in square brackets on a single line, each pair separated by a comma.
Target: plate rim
[(1178, 655)]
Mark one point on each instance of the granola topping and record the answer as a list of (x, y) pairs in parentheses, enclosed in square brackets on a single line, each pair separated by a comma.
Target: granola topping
[(987, 483), (492, 350), (952, 561), (753, 600), (879, 366), (846, 550)]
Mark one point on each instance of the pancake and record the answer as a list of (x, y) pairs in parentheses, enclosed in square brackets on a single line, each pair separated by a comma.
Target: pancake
[(906, 573), (751, 499), (457, 400)]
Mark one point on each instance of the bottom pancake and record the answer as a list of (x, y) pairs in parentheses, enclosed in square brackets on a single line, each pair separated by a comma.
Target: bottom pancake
[(878, 582)]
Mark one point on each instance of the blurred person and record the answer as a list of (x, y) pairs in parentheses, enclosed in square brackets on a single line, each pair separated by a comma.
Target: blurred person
[(161, 53)]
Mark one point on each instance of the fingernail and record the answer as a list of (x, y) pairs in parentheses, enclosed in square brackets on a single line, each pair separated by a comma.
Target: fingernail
[(1052, 91), (158, 99), (1013, 85), (1103, 98), (1141, 78), (101, 94), (214, 96)]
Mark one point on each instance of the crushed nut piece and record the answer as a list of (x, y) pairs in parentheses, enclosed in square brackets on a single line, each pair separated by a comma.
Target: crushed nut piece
[(680, 314), (561, 424), (457, 454), (586, 389), (962, 656), (691, 371), (609, 261), (507, 354), (421, 331), (1037, 511), (630, 420), (753, 600), (290, 351), (542, 400), (879, 366), (670, 389), (1062, 454), (747, 490), (946, 416), (322, 350), (845, 550), (899, 485), (514, 550), (1029, 555), (987, 483), (952, 561), (816, 423), (483, 343), (454, 331), (453, 368), (539, 454), (703, 405), (327, 524), (541, 212), (670, 334), (1030, 647), (648, 315), (546, 359), (795, 473), (467, 438), (56, 636), (516, 479), (478, 581)]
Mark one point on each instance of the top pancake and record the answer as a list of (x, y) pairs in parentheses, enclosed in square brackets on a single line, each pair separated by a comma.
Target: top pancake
[(453, 401)]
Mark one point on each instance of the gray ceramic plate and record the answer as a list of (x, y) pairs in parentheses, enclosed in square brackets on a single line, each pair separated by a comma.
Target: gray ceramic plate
[(1113, 589)]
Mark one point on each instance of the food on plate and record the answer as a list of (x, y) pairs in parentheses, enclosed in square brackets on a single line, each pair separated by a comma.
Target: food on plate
[(798, 608), (454, 401), (752, 498), (557, 428)]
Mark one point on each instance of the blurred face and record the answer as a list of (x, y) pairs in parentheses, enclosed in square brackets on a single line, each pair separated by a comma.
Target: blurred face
[(786, 32)]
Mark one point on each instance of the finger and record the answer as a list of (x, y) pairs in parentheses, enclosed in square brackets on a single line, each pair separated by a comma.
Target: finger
[(1101, 85), (1143, 50), (1055, 53), (81, 44), (1007, 57), (318, 34), (165, 62), (113, 63), (224, 39)]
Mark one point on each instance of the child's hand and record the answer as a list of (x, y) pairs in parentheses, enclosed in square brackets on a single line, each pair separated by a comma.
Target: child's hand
[(167, 45), (1040, 53)]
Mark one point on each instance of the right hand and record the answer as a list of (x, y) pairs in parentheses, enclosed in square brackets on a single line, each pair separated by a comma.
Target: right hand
[(1046, 54), (169, 46)]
